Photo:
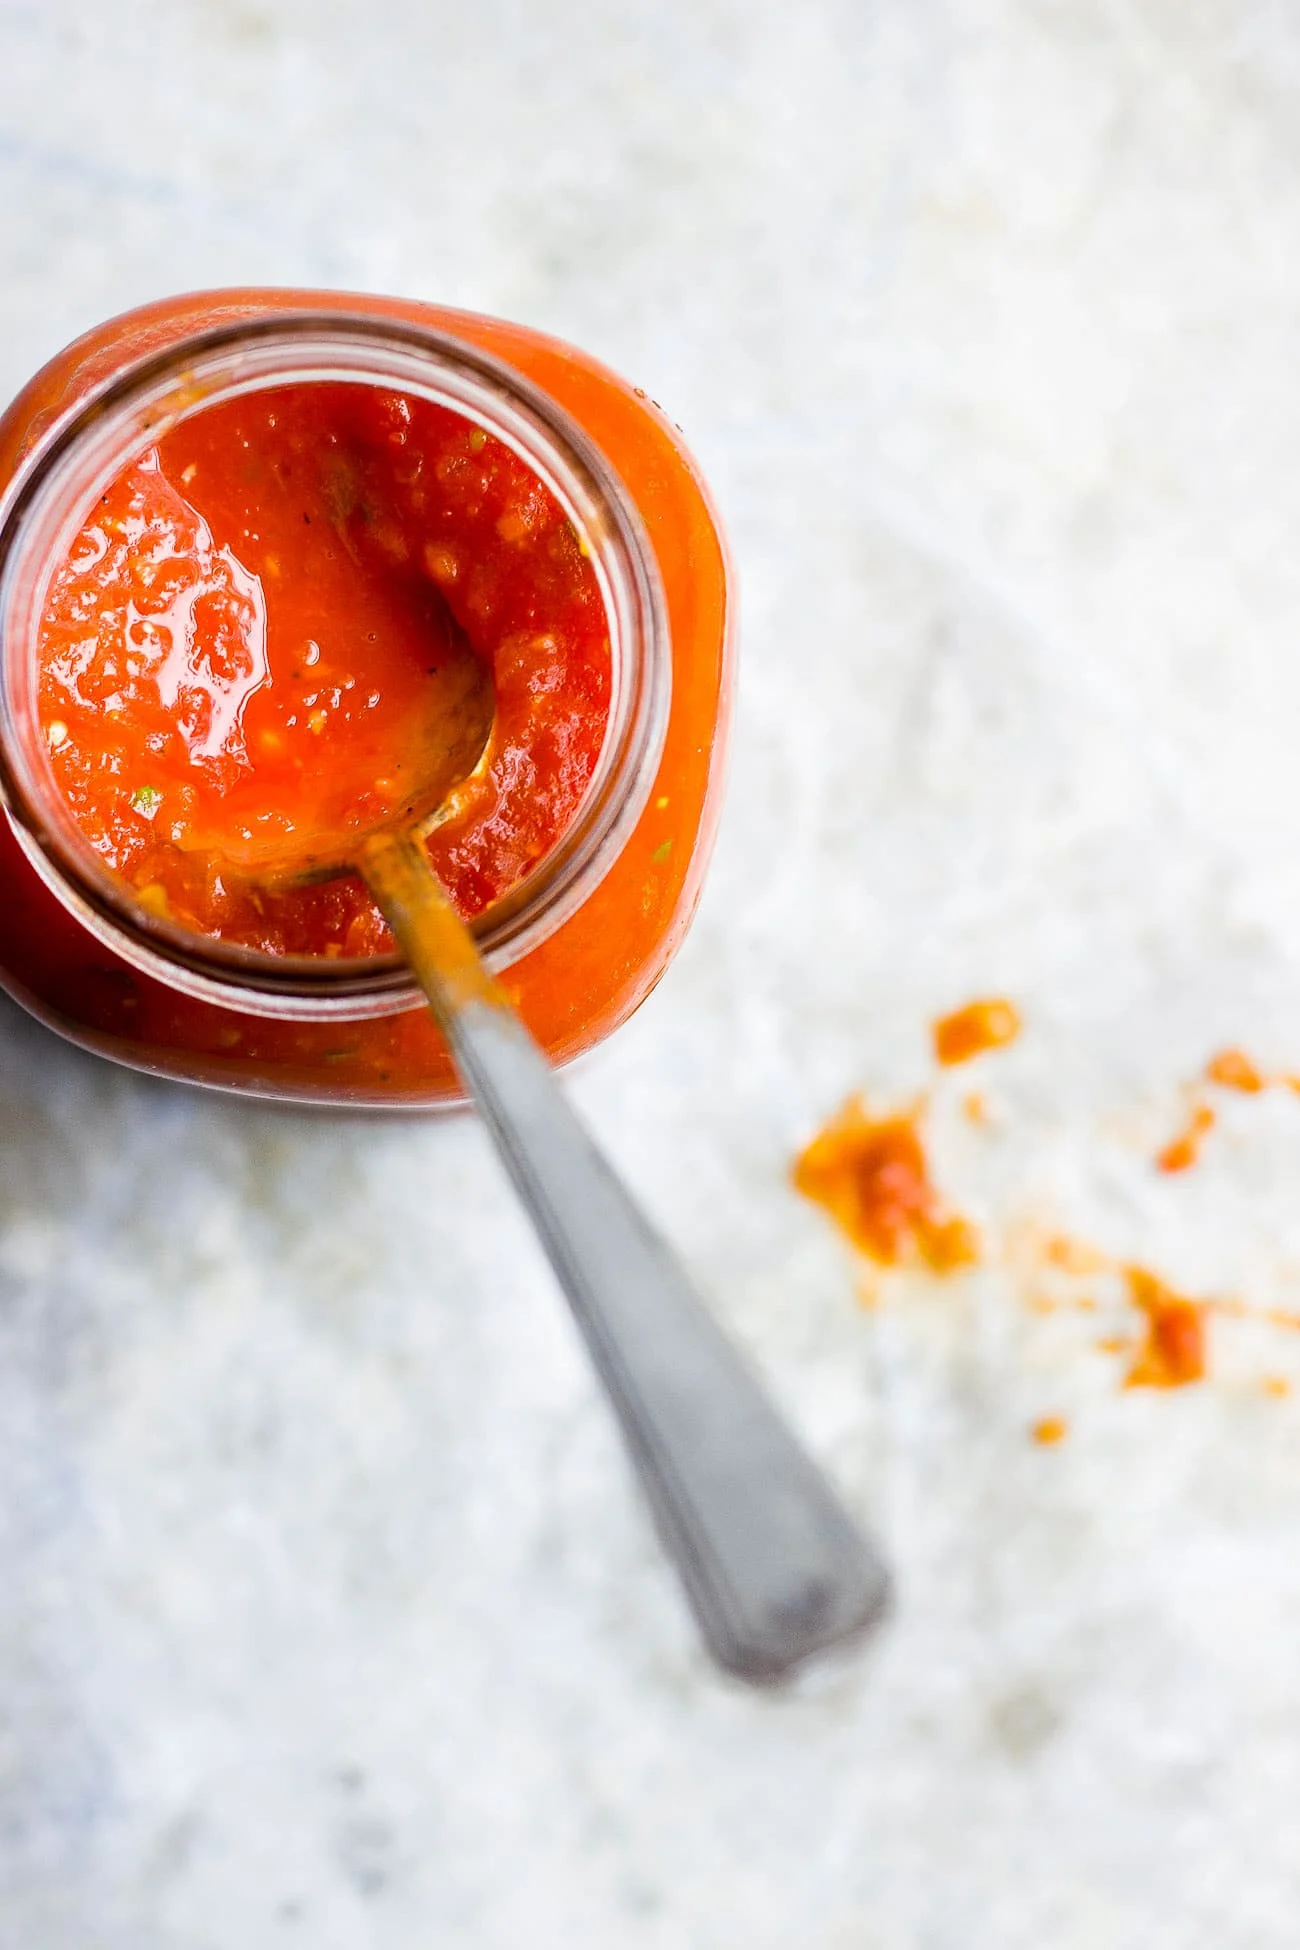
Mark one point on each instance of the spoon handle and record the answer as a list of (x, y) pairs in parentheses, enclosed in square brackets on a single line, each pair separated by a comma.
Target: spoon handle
[(774, 1567)]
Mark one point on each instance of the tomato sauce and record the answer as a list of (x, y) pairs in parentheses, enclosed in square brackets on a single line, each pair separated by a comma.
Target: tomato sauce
[(1050, 1430), (991, 1023), (1232, 1069), (252, 638), (1228, 1069), (1184, 1150), (1174, 1348), (591, 970), (873, 1177)]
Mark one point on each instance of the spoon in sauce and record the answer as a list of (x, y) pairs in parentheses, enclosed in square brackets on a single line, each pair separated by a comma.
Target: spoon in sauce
[(774, 1567)]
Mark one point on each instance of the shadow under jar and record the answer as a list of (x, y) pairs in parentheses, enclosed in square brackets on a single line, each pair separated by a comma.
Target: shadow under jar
[(581, 938)]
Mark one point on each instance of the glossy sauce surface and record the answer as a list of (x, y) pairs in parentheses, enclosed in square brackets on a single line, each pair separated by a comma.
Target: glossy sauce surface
[(263, 632), (572, 988)]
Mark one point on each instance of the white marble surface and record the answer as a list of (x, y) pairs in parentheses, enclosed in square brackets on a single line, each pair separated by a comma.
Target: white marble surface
[(327, 1615)]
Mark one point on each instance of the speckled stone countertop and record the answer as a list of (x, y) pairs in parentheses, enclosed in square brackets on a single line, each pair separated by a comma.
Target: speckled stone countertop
[(327, 1613)]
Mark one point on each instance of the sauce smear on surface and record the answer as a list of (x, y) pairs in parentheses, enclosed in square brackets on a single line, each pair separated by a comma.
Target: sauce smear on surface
[(979, 1026), (1050, 1430), (873, 1177), (1232, 1069), (1229, 1069), (1183, 1151), (1173, 1352), (257, 629)]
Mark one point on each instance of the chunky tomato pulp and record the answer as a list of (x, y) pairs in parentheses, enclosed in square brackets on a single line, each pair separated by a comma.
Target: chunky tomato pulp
[(256, 637), (573, 982)]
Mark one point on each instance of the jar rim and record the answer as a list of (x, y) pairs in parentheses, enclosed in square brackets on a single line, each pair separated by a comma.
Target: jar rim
[(91, 443)]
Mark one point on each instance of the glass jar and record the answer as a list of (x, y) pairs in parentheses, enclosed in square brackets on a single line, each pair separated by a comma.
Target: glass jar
[(578, 944)]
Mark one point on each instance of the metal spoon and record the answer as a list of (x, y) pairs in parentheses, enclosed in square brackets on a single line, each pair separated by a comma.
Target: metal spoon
[(774, 1567)]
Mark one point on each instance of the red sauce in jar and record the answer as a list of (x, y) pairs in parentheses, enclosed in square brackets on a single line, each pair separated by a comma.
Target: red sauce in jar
[(580, 980), (252, 637)]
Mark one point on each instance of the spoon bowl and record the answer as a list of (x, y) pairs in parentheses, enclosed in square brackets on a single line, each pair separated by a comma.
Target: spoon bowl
[(429, 758)]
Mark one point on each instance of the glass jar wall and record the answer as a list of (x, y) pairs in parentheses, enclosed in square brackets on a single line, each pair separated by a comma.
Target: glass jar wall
[(582, 940)]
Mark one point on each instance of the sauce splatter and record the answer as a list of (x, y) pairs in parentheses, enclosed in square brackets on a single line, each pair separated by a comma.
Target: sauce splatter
[(1173, 1352), (987, 1024), (873, 1177), (1173, 1349), (1228, 1069), (1182, 1152), (871, 1174), (1232, 1069), (1050, 1430)]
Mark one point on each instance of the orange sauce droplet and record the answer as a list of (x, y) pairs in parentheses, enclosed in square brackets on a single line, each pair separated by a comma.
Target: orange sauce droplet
[(1182, 1152), (1173, 1352), (1232, 1069), (1050, 1430), (991, 1023), (1276, 1385), (873, 1177), (1229, 1069)]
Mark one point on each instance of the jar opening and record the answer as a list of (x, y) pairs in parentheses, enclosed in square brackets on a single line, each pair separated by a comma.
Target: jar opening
[(88, 449)]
